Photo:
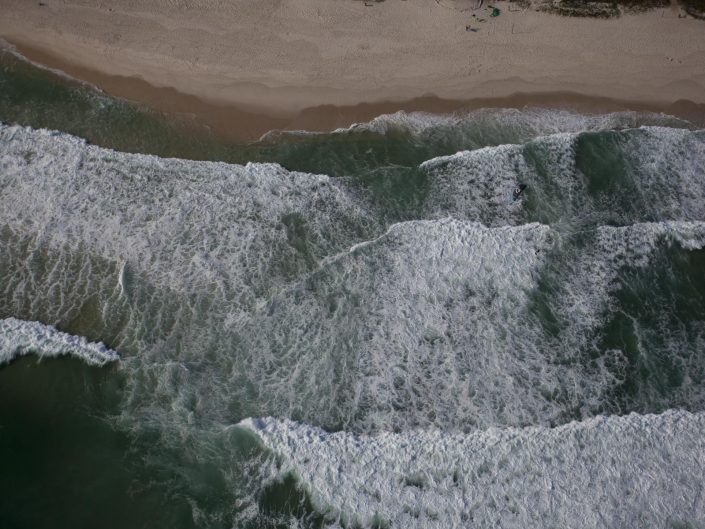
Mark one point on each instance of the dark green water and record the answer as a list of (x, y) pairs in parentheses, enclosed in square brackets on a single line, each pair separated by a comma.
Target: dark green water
[(65, 463), (371, 281)]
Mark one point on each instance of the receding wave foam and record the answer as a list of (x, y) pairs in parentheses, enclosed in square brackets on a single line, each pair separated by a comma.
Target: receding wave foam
[(18, 338), (492, 125), (631, 471)]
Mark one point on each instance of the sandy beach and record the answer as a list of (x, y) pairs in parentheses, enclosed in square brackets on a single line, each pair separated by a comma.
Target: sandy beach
[(248, 67)]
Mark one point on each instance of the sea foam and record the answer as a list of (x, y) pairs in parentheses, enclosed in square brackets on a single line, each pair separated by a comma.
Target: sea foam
[(19, 338), (575, 179), (235, 291), (605, 472), (299, 299), (187, 225), (441, 323), (493, 124)]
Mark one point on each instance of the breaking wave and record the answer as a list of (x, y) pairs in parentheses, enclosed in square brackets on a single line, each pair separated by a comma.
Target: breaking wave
[(19, 338), (630, 471), (488, 125)]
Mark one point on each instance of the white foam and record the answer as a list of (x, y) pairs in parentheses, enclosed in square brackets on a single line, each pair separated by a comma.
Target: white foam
[(435, 323), (667, 166), (660, 179), (172, 257), (518, 124), (412, 328), (19, 338), (527, 123), (586, 278), (431, 323), (606, 472), (477, 185), (186, 225), (414, 122), (428, 323), (592, 273)]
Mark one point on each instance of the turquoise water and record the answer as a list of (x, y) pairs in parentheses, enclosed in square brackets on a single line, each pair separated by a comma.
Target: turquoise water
[(356, 328)]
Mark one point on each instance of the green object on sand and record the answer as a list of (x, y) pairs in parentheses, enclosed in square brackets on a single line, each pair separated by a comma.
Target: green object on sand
[(495, 12)]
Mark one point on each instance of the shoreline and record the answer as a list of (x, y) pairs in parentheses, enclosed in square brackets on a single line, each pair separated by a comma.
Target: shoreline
[(253, 122), (243, 69)]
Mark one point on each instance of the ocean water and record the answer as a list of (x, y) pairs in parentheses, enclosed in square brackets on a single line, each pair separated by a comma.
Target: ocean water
[(360, 328)]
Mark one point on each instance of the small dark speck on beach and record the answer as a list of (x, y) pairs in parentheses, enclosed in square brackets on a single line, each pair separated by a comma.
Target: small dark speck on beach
[(41, 4)]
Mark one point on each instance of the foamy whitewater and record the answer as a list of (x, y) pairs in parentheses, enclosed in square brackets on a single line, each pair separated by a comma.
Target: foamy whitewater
[(427, 348), (18, 338), (632, 471)]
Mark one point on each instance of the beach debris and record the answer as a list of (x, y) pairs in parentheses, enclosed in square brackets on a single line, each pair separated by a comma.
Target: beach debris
[(495, 11), (475, 18)]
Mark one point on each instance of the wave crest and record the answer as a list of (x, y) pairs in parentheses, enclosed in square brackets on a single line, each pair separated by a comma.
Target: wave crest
[(19, 338)]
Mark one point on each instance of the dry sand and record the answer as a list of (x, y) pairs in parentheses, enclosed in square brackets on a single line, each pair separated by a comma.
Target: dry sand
[(253, 65)]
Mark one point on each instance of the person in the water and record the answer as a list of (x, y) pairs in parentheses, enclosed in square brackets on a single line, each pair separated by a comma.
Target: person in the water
[(518, 190)]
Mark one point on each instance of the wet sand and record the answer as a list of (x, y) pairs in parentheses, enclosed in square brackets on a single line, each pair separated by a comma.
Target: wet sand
[(245, 68), (242, 123)]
